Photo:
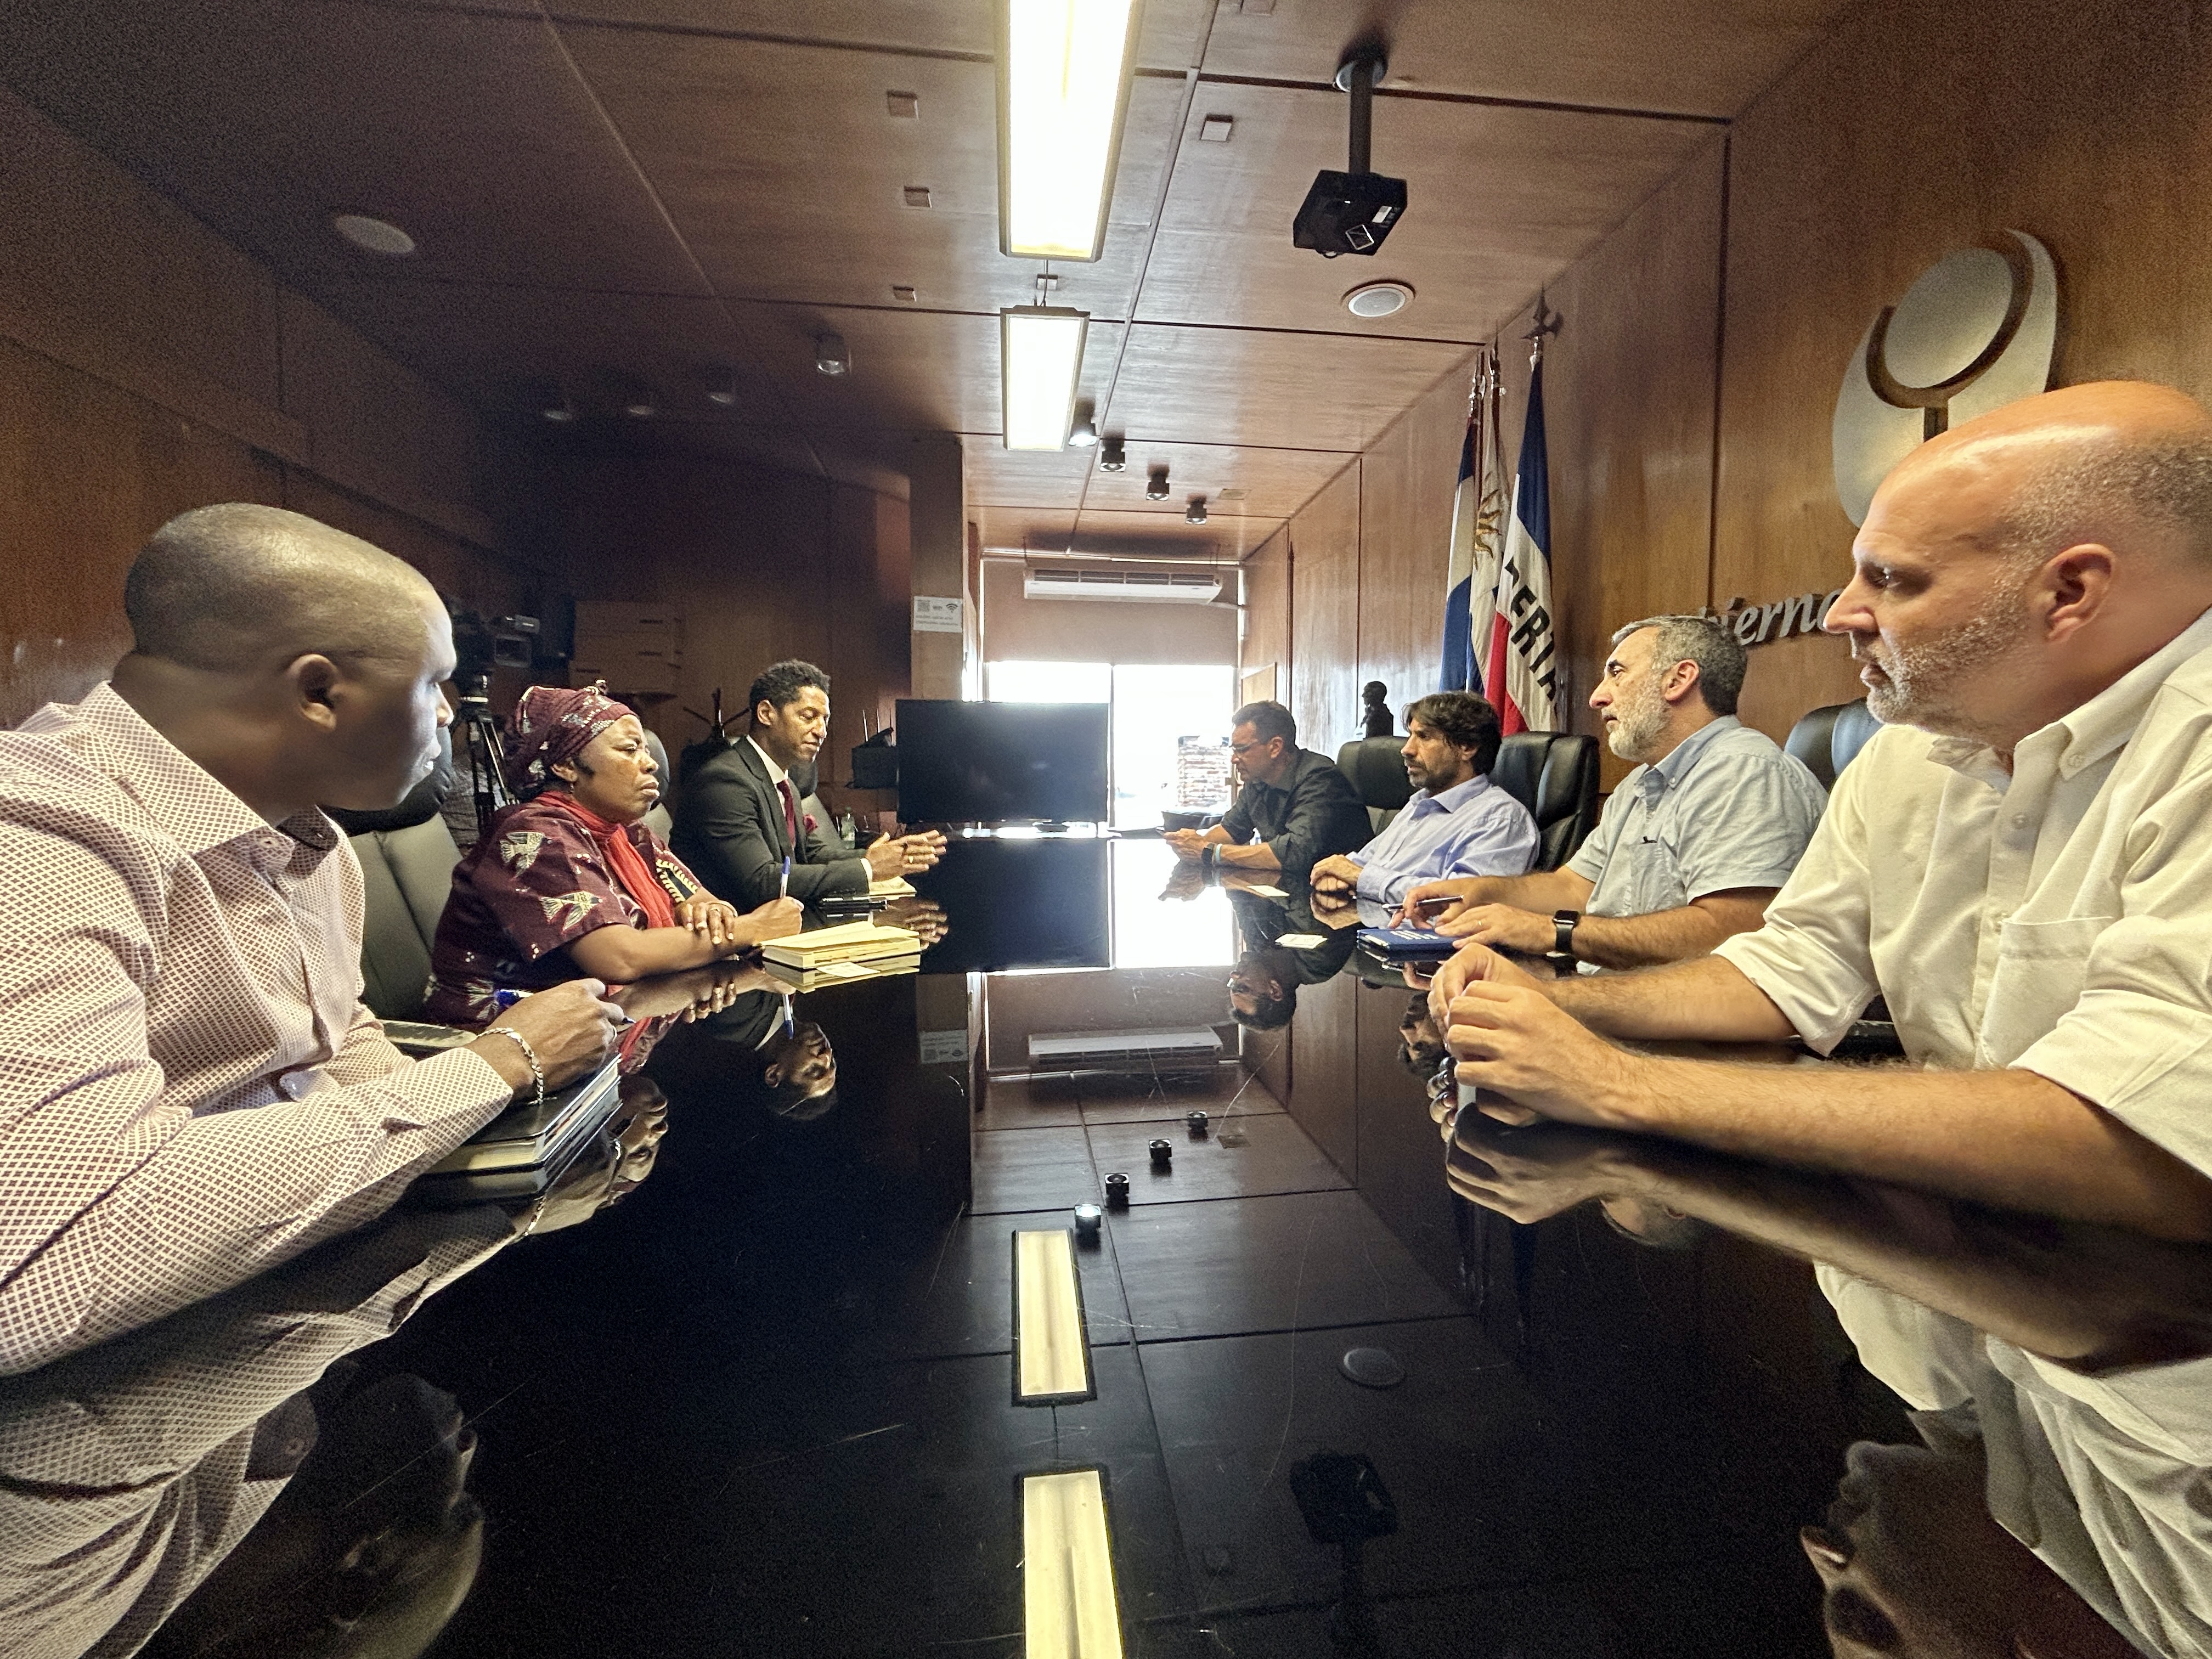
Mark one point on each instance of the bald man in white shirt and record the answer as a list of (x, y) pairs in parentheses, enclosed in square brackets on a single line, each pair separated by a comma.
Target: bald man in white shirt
[(2020, 863)]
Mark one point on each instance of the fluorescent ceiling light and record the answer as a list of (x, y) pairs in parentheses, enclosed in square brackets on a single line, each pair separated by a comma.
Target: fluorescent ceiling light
[(1069, 1610), (1063, 89), (1052, 1349), (1040, 356)]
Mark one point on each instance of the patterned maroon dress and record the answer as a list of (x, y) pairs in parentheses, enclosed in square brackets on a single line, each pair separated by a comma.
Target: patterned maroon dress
[(533, 884)]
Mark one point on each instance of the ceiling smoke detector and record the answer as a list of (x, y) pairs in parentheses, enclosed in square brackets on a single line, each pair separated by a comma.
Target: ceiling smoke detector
[(1378, 298), (373, 235)]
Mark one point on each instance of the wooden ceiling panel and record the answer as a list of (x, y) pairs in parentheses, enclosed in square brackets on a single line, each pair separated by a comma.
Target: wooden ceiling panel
[(1228, 386), (264, 116), (1694, 56), (1173, 29), (1222, 536), (485, 344), (998, 476), (1024, 527), (1269, 484), (803, 198), (933, 372), (1499, 201)]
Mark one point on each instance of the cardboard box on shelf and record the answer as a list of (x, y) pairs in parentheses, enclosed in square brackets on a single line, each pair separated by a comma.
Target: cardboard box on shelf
[(645, 676), (620, 648), (626, 616)]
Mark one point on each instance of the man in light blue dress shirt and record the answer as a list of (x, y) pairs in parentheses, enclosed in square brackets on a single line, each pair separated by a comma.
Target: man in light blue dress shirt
[(1458, 823), (1692, 845)]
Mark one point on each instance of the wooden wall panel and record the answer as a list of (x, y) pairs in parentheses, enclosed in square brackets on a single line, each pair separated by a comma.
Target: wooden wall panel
[(1629, 388), (147, 367), (86, 471), (1406, 486), (1267, 609), (765, 565), (1919, 127), (80, 235), (1324, 693)]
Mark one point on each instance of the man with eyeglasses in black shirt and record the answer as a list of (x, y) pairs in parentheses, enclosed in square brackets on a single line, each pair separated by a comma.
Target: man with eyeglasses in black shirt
[(1295, 808)]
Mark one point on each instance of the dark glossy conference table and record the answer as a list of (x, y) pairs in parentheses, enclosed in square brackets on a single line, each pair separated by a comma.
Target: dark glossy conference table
[(744, 1387)]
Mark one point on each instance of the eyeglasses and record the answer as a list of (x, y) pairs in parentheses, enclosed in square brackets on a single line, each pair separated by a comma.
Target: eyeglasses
[(1256, 743)]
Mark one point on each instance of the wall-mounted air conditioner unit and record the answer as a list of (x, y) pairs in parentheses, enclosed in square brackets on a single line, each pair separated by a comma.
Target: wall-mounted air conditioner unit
[(1182, 587)]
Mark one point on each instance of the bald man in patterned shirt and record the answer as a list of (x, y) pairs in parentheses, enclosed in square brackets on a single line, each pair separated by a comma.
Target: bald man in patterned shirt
[(190, 1090)]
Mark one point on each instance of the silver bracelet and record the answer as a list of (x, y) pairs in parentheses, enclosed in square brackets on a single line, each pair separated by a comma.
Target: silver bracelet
[(529, 1053)]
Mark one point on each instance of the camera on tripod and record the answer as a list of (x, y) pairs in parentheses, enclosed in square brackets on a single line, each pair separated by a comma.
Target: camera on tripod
[(480, 646)]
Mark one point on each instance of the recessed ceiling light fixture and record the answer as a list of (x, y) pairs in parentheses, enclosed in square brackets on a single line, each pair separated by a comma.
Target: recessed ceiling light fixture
[(1085, 433), (832, 355), (1063, 92), (902, 106), (1196, 512), (916, 195), (373, 234), (722, 387), (1040, 358), (560, 408), (1378, 298), (1216, 129), (1112, 457), (1155, 485), (640, 407)]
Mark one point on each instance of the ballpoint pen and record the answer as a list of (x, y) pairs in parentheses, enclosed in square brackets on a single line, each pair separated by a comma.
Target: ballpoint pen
[(783, 889)]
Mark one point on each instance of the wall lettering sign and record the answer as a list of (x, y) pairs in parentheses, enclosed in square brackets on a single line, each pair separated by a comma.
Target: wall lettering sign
[(1763, 624), (1978, 329)]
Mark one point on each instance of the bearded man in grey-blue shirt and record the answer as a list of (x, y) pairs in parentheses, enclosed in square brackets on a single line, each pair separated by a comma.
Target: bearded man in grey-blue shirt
[(1692, 845)]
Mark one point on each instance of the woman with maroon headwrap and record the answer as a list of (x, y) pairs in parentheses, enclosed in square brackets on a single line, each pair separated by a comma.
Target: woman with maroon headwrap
[(569, 883)]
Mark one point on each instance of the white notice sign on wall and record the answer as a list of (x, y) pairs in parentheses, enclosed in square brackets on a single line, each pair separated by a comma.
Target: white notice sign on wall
[(932, 615), (944, 1047)]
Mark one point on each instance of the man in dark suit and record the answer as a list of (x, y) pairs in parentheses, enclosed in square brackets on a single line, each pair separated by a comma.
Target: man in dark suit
[(743, 812)]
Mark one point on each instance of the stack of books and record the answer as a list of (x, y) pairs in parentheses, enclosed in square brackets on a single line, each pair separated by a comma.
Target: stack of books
[(855, 941), (525, 1150)]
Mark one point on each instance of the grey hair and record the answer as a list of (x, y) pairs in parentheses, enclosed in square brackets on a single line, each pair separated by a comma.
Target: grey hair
[(2163, 481), (1704, 640)]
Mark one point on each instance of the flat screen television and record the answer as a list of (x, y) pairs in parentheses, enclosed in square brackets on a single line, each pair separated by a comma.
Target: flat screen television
[(1001, 762)]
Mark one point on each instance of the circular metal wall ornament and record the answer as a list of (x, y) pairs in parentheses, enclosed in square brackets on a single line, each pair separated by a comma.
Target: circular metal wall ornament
[(1977, 330)]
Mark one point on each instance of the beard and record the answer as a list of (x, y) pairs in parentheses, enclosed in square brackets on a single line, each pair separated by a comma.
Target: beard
[(1922, 683), (1637, 727)]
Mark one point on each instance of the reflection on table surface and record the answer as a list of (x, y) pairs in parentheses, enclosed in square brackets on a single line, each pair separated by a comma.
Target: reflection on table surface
[(741, 1381)]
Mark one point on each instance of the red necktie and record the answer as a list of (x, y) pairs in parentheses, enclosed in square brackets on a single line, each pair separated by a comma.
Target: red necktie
[(790, 814)]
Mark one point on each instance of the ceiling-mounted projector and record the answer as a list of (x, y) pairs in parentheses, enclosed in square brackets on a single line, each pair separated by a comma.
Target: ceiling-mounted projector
[(1351, 212)]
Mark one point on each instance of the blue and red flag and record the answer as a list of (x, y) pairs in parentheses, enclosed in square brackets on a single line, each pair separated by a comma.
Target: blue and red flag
[(1518, 647), (1478, 505)]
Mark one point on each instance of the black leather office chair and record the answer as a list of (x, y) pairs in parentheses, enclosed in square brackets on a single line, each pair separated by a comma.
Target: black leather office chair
[(1554, 775), (1376, 767), (407, 858), (1827, 739)]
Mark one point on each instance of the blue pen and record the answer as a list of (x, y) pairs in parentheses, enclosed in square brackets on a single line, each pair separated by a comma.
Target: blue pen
[(784, 891), (506, 999)]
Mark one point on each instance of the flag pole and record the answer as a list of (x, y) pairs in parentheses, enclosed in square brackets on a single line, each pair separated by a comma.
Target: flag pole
[(1546, 322)]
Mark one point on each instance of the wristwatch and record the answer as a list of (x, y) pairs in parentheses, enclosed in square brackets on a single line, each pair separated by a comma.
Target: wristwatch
[(1563, 931)]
